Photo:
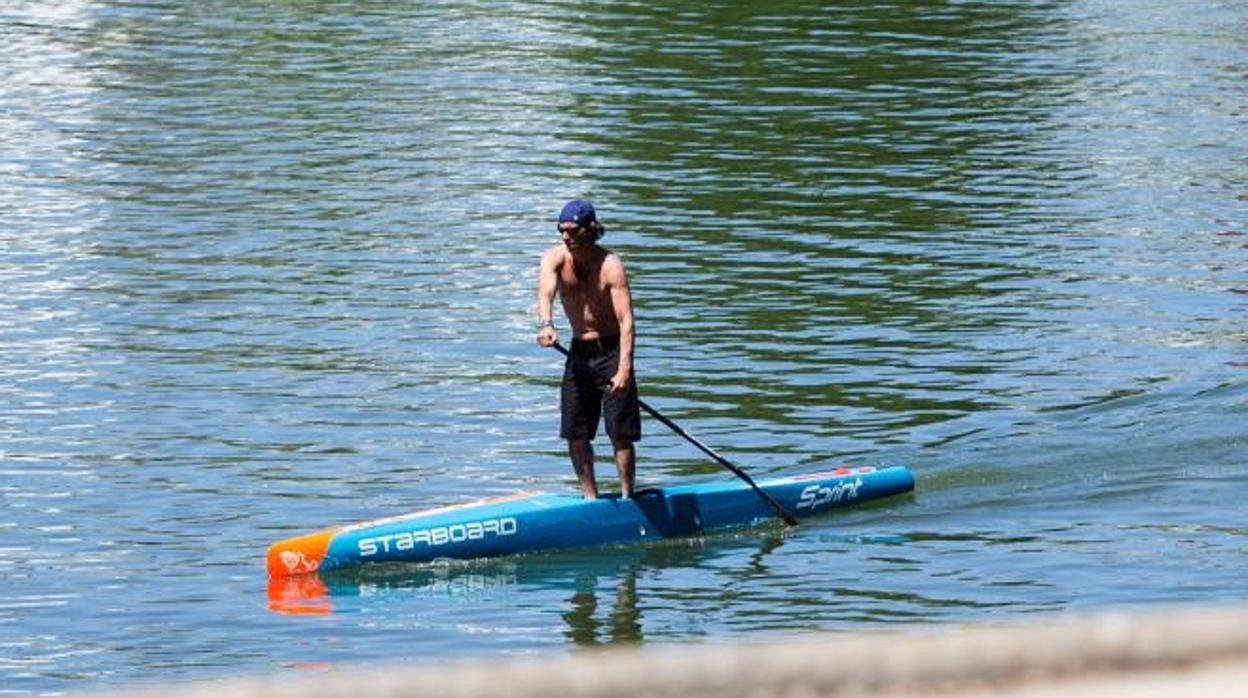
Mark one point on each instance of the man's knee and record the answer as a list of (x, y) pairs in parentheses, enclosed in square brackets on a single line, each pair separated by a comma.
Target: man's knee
[(622, 443)]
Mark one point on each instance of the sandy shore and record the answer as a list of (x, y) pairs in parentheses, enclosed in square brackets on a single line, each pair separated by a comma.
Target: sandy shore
[(1175, 652)]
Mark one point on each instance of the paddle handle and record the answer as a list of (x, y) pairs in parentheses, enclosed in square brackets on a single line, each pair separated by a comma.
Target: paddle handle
[(734, 469)]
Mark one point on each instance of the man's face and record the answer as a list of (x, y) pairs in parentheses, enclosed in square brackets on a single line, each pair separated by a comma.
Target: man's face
[(575, 235)]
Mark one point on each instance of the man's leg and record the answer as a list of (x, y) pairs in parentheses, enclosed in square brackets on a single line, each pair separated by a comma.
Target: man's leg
[(626, 464), (582, 453)]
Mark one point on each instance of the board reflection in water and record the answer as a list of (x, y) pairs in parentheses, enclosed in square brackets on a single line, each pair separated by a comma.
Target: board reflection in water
[(598, 594)]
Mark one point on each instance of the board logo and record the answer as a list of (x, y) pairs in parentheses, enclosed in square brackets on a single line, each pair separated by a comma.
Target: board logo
[(438, 535), (816, 496), (297, 563)]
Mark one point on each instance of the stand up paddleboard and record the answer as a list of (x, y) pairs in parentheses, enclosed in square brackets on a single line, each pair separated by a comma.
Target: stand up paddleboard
[(535, 521)]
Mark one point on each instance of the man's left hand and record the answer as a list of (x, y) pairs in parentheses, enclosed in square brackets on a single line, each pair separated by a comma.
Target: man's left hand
[(620, 382)]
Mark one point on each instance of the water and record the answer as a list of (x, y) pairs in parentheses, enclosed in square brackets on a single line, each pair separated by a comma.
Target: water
[(267, 269)]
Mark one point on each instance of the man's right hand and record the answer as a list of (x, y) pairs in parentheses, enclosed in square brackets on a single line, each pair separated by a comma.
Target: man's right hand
[(547, 336)]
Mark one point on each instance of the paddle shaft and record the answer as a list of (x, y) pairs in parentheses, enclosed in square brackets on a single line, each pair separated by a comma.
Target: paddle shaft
[(734, 469)]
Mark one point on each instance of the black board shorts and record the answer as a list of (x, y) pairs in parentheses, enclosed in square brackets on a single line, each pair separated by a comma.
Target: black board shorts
[(585, 399)]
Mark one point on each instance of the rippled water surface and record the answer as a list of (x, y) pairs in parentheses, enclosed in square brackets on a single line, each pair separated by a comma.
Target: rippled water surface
[(269, 268)]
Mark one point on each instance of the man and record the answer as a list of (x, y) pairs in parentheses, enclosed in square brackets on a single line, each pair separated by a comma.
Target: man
[(598, 377)]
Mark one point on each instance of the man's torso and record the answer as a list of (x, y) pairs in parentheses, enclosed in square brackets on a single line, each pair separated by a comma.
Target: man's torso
[(586, 292)]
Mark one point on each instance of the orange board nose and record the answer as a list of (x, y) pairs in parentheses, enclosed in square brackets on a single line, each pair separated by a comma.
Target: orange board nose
[(300, 555)]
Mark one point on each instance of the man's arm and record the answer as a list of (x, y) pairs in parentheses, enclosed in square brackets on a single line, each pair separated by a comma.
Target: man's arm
[(622, 304), (547, 284)]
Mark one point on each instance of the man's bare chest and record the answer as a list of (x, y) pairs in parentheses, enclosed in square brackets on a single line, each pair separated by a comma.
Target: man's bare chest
[(581, 283)]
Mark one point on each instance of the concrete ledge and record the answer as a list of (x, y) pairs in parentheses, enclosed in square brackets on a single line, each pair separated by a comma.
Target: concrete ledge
[(1181, 652)]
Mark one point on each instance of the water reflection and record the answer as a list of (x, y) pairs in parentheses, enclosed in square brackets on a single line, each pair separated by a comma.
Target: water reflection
[(600, 594), (623, 622)]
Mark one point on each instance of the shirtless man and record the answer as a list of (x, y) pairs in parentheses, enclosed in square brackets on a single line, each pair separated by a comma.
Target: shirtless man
[(591, 282)]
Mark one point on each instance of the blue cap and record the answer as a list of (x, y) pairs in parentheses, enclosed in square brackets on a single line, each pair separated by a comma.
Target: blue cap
[(578, 211)]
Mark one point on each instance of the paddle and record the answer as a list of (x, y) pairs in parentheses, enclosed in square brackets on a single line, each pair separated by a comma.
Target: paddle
[(735, 470)]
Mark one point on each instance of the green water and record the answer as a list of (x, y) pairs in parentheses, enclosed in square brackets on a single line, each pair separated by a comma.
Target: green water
[(268, 268)]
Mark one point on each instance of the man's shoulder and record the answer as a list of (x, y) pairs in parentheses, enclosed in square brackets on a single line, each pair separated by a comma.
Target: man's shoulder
[(613, 267), (610, 257), (554, 253)]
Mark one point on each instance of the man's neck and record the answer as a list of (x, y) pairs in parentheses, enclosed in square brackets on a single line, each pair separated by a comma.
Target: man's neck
[(584, 253)]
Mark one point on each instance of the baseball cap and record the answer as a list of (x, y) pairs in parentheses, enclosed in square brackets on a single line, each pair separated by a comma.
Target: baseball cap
[(578, 211)]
